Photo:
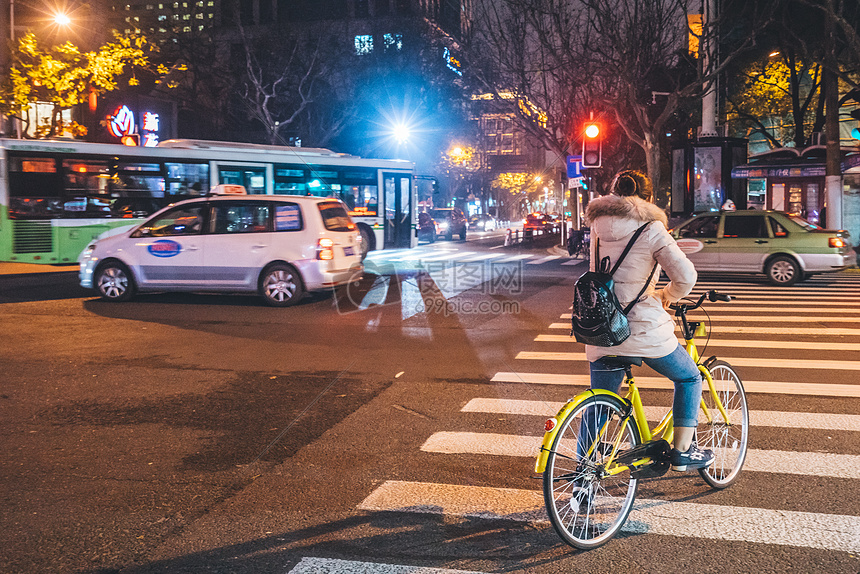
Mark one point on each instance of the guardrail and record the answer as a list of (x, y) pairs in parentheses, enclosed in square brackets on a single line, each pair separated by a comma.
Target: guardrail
[(515, 236)]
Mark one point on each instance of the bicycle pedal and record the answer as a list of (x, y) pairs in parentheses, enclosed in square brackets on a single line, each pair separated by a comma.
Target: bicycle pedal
[(657, 450)]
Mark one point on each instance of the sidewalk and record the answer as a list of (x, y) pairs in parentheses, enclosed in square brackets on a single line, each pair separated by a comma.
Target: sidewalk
[(7, 268)]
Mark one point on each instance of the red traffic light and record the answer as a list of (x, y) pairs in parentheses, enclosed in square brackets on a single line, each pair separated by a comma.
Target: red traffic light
[(592, 146)]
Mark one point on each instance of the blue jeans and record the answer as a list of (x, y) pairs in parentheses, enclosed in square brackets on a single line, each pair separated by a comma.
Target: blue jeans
[(677, 366)]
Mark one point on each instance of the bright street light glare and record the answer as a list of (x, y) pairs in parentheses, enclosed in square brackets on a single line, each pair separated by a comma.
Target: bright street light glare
[(401, 133), (62, 20)]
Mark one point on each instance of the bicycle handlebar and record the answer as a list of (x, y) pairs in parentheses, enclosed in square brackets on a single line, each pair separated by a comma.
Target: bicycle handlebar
[(712, 295)]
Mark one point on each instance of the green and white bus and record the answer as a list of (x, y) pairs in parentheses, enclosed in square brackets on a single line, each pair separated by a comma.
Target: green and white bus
[(56, 195)]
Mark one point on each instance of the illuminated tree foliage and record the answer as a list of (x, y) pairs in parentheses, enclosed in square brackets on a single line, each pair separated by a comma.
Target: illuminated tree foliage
[(778, 96), (64, 76)]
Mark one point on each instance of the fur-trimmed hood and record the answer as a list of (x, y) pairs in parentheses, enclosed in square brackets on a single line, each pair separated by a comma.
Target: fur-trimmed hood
[(620, 216), (632, 207)]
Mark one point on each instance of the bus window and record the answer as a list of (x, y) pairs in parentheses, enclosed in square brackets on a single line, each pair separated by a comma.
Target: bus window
[(361, 193), (323, 182), (137, 189), (35, 188), (87, 188), (186, 180), (290, 180), (252, 177)]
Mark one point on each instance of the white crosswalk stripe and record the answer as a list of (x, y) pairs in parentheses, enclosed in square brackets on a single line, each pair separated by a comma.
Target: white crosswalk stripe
[(334, 566), (814, 326), (755, 525)]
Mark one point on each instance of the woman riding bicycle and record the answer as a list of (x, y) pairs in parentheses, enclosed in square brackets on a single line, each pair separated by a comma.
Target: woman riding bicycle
[(613, 219)]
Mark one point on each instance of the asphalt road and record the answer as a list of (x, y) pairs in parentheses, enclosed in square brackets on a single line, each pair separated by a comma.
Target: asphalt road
[(208, 433)]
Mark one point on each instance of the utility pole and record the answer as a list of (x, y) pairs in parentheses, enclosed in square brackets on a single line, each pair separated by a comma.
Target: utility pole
[(709, 57), (833, 162)]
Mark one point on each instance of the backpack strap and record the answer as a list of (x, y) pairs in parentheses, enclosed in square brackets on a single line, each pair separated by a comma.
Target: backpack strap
[(644, 287), (630, 243), (605, 265)]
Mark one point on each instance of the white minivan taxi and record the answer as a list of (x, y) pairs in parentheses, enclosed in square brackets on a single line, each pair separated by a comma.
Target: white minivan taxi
[(277, 246)]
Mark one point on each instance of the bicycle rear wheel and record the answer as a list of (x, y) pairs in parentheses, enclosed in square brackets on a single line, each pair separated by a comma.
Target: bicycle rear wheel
[(728, 441), (586, 506)]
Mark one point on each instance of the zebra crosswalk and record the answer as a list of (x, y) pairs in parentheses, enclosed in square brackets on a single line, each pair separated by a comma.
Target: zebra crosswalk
[(796, 351), (418, 257)]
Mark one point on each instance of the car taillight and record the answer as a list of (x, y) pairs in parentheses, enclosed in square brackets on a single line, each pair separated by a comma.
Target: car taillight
[(325, 249), (836, 242)]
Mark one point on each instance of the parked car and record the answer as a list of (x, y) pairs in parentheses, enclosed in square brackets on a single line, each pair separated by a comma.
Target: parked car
[(482, 222), (785, 247), (277, 246), (449, 221)]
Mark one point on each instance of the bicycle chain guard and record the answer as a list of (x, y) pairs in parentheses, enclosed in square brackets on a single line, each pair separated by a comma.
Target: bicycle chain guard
[(658, 451)]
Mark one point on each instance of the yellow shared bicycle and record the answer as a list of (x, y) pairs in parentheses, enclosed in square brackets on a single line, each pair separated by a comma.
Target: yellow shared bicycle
[(599, 445)]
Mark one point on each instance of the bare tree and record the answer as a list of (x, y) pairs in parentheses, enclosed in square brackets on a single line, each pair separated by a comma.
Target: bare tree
[(627, 59)]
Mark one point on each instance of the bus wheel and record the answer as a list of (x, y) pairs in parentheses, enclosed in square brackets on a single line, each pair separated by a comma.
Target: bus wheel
[(113, 281)]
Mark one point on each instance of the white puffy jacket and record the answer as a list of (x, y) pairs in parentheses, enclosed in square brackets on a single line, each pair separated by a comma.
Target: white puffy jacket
[(613, 221)]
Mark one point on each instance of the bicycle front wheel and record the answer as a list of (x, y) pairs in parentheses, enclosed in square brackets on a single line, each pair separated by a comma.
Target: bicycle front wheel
[(728, 439), (586, 505)]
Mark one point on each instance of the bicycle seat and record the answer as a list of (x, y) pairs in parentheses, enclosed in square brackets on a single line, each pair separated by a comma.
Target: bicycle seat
[(621, 362)]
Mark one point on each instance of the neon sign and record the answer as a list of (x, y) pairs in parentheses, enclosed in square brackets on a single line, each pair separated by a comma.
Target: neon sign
[(121, 123)]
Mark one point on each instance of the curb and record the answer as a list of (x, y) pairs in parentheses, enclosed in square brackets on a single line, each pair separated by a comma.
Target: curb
[(11, 268)]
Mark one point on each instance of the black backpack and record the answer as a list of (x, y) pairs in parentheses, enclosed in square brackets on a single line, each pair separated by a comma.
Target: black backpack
[(598, 318)]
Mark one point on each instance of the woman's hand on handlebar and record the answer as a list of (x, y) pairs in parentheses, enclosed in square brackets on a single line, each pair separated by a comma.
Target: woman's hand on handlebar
[(663, 296)]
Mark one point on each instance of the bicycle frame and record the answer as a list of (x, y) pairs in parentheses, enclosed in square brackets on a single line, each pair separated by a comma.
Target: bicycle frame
[(665, 428)]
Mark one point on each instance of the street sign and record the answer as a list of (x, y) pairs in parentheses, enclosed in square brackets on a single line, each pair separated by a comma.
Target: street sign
[(574, 164)]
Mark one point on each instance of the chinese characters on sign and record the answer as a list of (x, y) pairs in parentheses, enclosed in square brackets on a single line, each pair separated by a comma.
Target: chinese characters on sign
[(122, 125)]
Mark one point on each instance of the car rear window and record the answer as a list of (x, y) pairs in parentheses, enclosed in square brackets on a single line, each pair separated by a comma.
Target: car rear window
[(440, 213), (335, 217), (803, 223)]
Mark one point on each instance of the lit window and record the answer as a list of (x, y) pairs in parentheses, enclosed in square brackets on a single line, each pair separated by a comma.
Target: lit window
[(363, 45), (162, 17), (198, 16), (186, 29), (186, 16), (200, 27), (149, 6), (393, 42)]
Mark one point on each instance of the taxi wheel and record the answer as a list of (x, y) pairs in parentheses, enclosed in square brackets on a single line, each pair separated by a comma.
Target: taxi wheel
[(281, 285), (783, 271), (114, 282)]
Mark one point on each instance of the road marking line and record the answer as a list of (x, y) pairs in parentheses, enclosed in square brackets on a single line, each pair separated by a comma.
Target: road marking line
[(769, 319), (515, 258), (741, 343), (573, 262), (335, 566), (661, 383), (682, 519), (482, 257), (734, 361), (819, 421), (544, 259), (770, 461), (739, 329)]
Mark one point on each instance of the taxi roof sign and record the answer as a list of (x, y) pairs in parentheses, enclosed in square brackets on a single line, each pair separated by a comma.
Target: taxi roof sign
[(228, 189)]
